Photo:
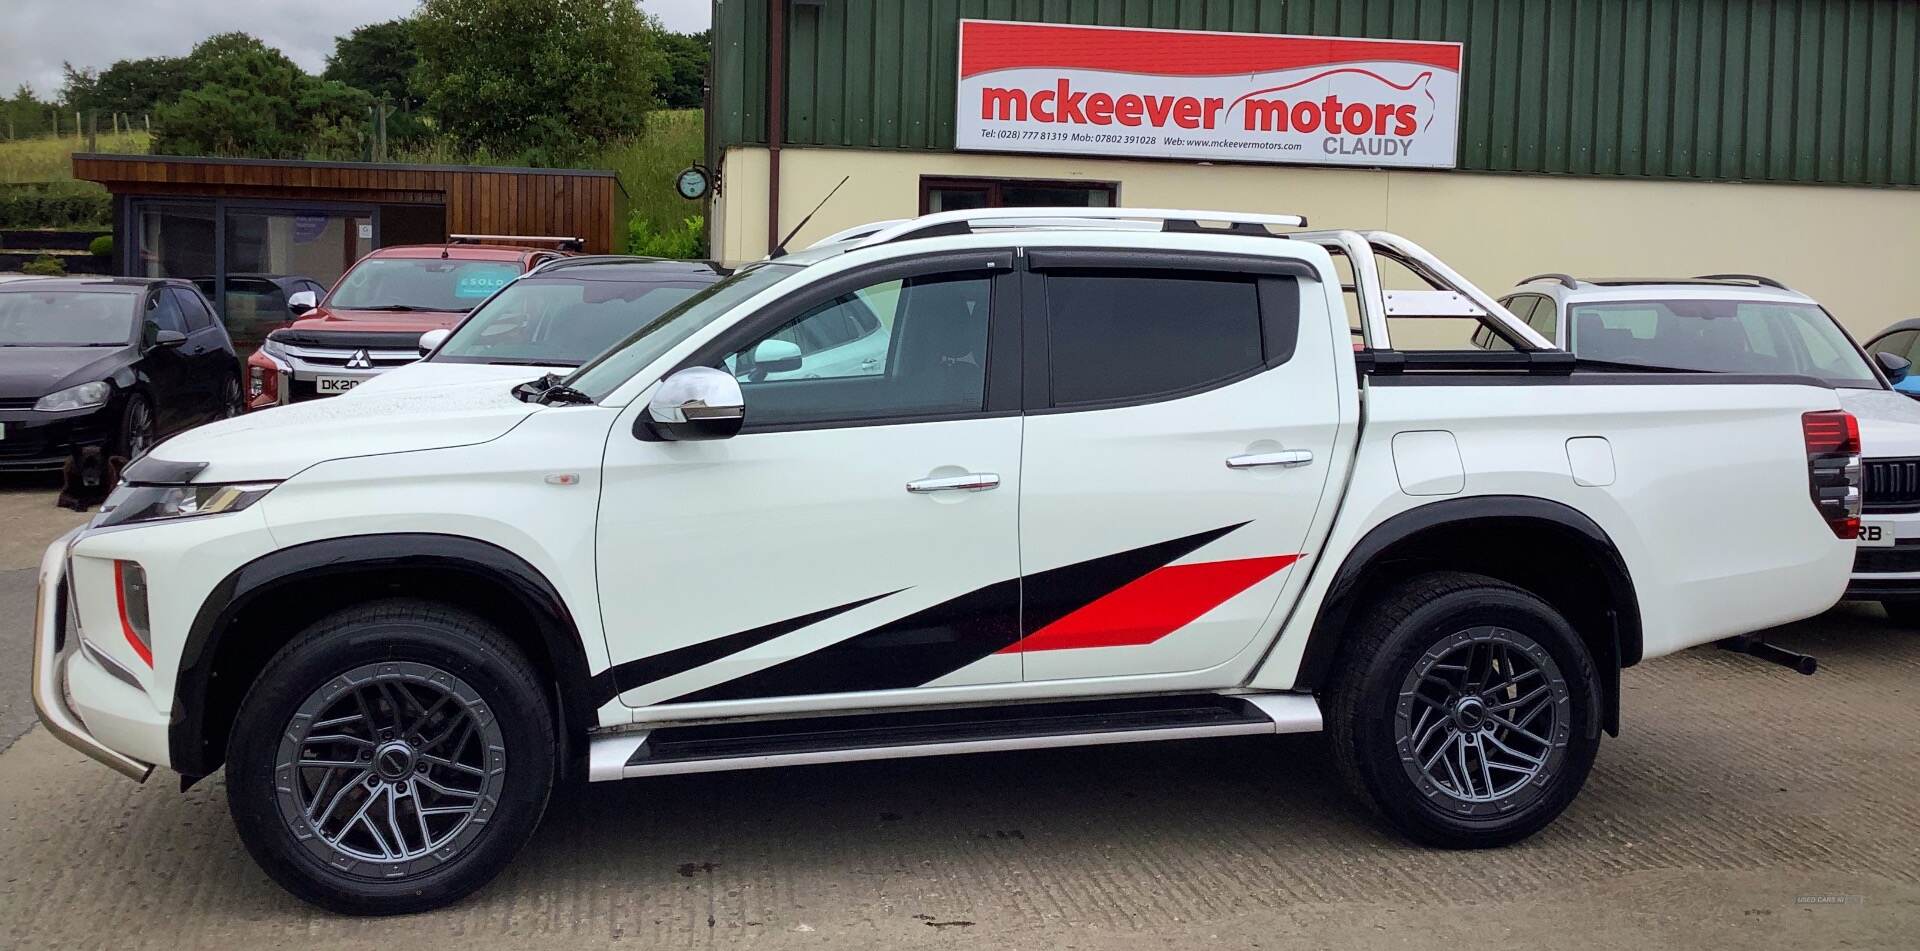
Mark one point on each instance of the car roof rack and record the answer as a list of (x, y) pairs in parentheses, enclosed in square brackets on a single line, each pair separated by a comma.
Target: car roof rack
[(1563, 280), (590, 260), (1755, 278), (1712, 280), (557, 241), (975, 220)]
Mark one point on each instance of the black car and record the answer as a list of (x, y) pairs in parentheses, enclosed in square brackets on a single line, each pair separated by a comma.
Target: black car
[(1903, 341), (115, 362), (259, 304)]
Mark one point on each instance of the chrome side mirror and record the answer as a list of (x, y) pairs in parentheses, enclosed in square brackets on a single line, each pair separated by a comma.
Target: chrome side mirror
[(299, 302), (1896, 366), (697, 403), (432, 339)]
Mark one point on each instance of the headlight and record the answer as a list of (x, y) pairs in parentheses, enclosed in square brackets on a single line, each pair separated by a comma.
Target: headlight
[(151, 503), (273, 348), (84, 396)]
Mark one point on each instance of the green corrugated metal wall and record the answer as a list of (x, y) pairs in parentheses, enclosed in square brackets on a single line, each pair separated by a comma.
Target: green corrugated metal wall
[(1787, 90)]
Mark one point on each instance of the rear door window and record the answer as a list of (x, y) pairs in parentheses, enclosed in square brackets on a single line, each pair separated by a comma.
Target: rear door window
[(163, 312), (1132, 336), (198, 317)]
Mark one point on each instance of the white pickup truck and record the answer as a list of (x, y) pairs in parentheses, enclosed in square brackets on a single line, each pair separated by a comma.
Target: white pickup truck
[(1104, 485)]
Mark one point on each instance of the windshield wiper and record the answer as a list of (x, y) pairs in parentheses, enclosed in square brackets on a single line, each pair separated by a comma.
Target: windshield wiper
[(548, 390), (389, 307)]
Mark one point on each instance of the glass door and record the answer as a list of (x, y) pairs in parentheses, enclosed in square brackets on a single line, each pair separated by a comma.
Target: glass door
[(268, 251)]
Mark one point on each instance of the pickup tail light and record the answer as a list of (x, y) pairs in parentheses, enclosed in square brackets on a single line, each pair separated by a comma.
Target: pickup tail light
[(1833, 468)]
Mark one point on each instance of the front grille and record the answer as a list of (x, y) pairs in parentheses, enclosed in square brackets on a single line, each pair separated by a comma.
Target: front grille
[(1891, 485), (24, 443), (350, 340), (1886, 560), (17, 402), (378, 359)]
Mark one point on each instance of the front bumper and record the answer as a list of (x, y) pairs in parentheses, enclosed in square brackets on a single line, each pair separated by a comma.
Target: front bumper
[(36, 441), (291, 374), (52, 651)]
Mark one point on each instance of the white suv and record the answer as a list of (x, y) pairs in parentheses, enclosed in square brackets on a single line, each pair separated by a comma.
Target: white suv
[(1031, 487), (1745, 323)]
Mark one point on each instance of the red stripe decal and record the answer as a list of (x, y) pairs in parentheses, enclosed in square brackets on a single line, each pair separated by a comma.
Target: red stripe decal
[(120, 601), (1153, 605)]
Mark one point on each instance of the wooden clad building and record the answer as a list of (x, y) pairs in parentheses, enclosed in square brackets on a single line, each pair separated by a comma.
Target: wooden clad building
[(209, 219)]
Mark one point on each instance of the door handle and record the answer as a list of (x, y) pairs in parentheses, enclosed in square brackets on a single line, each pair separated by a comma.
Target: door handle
[(971, 482), (1285, 458)]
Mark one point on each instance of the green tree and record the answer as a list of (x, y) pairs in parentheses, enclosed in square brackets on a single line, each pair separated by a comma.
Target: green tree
[(683, 77), (544, 81), (132, 86), (378, 58), (25, 115), (249, 99)]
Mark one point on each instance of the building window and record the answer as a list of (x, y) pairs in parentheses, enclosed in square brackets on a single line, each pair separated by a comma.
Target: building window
[(955, 194)]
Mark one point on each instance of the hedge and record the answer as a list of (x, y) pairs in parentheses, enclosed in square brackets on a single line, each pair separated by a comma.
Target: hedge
[(39, 207)]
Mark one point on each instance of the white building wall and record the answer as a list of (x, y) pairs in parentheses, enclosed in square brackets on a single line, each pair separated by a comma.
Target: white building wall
[(1855, 249)]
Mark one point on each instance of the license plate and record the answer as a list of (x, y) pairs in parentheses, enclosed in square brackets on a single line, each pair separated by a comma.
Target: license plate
[(334, 384), (1876, 535)]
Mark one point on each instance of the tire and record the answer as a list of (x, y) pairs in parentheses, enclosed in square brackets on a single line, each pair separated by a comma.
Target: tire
[(134, 433), (346, 675), (1390, 724)]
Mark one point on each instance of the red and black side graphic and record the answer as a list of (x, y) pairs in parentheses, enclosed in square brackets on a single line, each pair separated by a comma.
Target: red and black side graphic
[(1078, 606), (1128, 598), (620, 678), (923, 646)]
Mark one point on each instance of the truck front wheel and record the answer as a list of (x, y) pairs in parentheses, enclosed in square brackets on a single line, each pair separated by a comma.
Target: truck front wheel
[(1466, 710), (391, 759)]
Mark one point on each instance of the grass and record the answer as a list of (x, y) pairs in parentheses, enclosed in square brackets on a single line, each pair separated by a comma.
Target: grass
[(48, 159), (647, 167)]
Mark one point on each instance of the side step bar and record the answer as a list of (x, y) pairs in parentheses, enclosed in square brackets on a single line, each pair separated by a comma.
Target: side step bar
[(717, 747)]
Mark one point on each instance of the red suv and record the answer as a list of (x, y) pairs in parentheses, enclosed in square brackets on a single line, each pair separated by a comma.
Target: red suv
[(372, 320)]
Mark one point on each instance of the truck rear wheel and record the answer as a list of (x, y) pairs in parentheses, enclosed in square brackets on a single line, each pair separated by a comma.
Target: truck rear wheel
[(1466, 710), (391, 759)]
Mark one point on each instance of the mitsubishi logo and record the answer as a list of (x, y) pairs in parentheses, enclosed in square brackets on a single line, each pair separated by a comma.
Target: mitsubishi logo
[(361, 360)]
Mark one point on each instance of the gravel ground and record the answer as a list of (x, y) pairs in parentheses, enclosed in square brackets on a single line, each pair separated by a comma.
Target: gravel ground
[(1745, 806)]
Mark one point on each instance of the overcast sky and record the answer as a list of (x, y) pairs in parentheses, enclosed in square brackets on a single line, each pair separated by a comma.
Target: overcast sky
[(39, 34)]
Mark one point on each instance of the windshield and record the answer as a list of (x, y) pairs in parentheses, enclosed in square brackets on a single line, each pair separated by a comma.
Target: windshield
[(646, 344), (66, 318), (555, 321), (403, 284), (1729, 336)]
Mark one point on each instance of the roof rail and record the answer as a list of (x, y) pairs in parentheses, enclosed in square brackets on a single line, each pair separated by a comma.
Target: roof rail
[(971, 220), (555, 264), (857, 231), (1563, 280), (1757, 279), (559, 242)]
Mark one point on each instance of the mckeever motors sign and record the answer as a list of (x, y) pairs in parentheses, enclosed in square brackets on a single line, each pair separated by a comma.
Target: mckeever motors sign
[(1244, 97)]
